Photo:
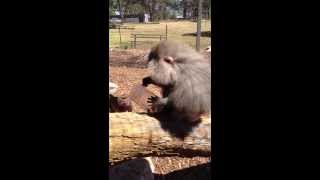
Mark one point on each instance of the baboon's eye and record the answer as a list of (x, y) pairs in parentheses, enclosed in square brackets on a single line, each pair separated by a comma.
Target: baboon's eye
[(168, 59)]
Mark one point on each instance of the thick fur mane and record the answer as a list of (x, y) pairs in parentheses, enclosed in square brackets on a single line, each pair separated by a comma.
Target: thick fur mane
[(192, 92)]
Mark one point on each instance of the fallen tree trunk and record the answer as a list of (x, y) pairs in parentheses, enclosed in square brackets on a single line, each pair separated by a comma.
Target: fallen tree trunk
[(135, 135)]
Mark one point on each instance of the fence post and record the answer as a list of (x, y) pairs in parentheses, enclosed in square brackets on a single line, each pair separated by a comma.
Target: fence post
[(166, 31), (120, 36), (199, 25), (135, 41)]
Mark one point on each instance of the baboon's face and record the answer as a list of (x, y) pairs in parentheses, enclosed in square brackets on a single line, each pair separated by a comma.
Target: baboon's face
[(163, 69), (124, 101), (166, 60)]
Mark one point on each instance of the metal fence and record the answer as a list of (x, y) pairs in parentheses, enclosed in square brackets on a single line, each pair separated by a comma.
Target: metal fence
[(142, 36)]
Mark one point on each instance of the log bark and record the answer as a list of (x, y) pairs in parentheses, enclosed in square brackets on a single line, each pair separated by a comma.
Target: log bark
[(135, 135)]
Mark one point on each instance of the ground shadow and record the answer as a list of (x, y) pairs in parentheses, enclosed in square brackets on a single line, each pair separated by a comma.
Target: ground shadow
[(177, 128), (138, 169), (203, 34), (135, 169), (200, 172)]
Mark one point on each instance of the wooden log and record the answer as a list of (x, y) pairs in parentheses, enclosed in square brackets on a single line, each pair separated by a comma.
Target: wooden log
[(137, 135)]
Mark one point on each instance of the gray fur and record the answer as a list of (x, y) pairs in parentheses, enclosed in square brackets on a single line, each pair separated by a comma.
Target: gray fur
[(186, 83)]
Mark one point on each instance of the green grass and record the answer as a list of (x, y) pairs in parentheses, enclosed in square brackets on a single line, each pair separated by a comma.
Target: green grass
[(175, 32)]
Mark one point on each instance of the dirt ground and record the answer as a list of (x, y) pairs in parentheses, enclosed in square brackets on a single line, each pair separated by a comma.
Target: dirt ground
[(127, 69)]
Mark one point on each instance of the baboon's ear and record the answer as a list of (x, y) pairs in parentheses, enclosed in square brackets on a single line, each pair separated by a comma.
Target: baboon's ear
[(168, 59), (146, 56)]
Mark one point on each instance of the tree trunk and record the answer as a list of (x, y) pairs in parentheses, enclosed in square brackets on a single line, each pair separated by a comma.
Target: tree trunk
[(184, 9), (135, 135), (199, 25), (153, 11), (120, 11), (164, 15)]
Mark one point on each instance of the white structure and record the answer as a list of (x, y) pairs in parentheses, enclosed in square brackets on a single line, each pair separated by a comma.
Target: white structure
[(112, 87), (146, 17)]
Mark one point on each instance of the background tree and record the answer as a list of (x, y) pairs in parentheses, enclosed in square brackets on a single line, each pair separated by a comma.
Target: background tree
[(159, 9), (112, 7)]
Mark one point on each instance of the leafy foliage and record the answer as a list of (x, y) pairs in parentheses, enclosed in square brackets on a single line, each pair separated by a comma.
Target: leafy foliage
[(158, 9)]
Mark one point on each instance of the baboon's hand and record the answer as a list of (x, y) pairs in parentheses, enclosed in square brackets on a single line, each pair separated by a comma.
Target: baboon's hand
[(153, 99), (151, 103), (156, 103), (146, 81)]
